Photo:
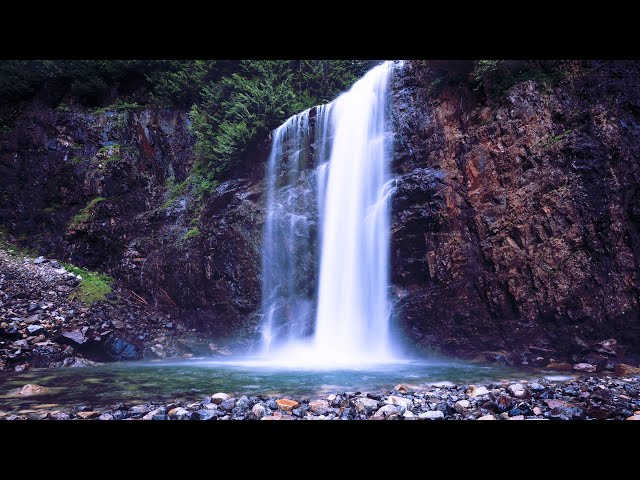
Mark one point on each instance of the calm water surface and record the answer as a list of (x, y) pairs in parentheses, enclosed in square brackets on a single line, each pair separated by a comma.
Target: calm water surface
[(158, 381)]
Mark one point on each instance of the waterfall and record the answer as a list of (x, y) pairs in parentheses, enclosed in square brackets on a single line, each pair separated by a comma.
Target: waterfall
[(326, 237)]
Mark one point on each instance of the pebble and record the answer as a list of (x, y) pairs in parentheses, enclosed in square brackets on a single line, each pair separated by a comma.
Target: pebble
[(487, 417), (386, 411), (286, 404), (218, 398), (407, 403), (88, 415), (366, 405), (584, 367), (461, 405), (432, 415), (474, 391), (259, 410), (518, 390)]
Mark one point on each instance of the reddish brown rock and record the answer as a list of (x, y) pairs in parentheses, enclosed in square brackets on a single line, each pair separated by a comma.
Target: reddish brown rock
[(624, 369), (563, 367), (286, 404), (88, 415)]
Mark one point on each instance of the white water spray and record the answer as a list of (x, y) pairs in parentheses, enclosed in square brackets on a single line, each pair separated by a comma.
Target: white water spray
[(328, 205)]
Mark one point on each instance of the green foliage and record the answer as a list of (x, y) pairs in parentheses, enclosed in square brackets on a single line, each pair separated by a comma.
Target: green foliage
[(194, 232), (93, 287), (110, 153), (84, 214), (233, 105), (240, 108), (496, 77)]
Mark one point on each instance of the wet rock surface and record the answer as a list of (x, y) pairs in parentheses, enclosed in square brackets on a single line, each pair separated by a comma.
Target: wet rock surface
[(516, 219), (584, 398)]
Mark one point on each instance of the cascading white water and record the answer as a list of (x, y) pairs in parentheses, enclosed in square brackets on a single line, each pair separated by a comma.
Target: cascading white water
[(328, 205)]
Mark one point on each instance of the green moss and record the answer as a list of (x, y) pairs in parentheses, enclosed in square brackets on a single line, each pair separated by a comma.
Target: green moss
[(56, 207), (63, 107), (558, 138), (194, 232), (175, 191), (118, 106), (12, 247), (77, 160), (110, 153), (84, 214), (93, 287)]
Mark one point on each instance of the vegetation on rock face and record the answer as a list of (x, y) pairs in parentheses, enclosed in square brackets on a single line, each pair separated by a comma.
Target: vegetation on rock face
[(93, 287), (232, 104), (194, 232), (491, 77), (84, 214)]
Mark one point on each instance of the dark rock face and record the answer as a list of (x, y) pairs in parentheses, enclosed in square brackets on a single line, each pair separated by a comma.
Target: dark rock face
[(53, 164), (516, 221)]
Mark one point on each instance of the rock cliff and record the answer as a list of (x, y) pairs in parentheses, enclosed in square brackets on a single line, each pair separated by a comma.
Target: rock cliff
[(515, 229)]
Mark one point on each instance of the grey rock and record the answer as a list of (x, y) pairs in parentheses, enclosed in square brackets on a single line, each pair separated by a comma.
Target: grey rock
[(518, 390), (365, 405), (35, 329), (259, 410), (228, 404), (386, 411), (206, 414), (461, 405)]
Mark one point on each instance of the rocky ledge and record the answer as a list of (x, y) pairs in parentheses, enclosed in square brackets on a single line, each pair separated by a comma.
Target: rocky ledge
[(584, 398)]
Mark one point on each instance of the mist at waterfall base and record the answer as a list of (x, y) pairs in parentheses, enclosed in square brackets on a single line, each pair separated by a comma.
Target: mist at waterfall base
[(326, 237)]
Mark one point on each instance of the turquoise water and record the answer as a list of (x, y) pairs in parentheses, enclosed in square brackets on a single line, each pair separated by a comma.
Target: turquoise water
[(138, 382)]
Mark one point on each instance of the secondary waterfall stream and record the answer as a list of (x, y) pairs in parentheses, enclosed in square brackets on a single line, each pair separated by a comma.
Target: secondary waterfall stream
[(326, 236)]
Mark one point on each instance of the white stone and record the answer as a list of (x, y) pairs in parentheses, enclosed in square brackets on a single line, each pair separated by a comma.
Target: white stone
[(218, 398), (366, 405), (407, 403), (477, 391), (518, 390), (461, 405), (433, 415), (386, 411), (408, 415)]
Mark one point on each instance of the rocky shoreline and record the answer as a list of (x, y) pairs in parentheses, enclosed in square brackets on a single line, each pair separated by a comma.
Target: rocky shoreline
[(583, 398)]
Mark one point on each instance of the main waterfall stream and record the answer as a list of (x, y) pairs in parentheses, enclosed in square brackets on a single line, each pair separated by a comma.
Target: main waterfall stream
[(328, 205)]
